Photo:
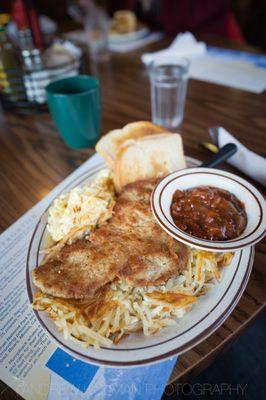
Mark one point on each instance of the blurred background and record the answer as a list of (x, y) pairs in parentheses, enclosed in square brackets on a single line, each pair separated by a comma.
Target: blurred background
[(42, 40), (247, 16)]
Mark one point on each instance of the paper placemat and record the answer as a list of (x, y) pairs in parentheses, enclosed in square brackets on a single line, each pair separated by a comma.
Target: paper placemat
[(30, 363)]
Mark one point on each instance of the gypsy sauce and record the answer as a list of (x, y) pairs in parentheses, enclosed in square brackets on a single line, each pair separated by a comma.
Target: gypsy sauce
[(209, 213)]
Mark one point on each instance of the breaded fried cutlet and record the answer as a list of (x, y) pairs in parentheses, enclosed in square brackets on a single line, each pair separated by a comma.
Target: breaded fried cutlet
[(130, 246), (79, 269)]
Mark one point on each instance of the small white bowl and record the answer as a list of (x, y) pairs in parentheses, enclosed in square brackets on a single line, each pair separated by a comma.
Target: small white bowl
[(255, 206)]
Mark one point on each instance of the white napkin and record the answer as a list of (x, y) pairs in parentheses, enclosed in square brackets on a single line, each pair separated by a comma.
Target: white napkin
[(185, 45), (250, 163)]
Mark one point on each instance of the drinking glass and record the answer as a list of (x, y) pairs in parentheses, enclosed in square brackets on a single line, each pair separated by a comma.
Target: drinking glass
[(168, 78), (97, 30)]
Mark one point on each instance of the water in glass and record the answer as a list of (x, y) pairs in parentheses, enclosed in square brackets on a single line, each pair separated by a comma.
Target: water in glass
[(168, 94)]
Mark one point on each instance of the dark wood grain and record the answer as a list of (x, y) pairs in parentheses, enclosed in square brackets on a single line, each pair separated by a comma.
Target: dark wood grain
[(33, 160)]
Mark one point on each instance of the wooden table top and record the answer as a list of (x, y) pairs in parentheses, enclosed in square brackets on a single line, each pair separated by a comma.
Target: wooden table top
[(33, 159)]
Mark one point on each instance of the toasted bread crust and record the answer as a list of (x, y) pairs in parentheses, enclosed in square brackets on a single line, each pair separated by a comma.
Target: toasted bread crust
[(109, 144), (106, 146), (148, 157)]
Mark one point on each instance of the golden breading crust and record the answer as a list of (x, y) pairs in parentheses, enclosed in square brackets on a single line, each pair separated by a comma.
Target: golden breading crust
[(131, 246), (159, 256), (78, 270)]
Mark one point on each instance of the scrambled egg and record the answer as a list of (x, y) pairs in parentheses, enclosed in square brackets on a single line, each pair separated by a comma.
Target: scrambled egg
[(82, 207)]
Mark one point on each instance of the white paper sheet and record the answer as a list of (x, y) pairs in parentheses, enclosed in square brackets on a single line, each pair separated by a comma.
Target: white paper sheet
[(236, 74), (25, 346)]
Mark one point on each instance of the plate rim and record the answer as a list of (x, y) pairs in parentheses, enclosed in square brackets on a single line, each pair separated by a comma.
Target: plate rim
[(121, 38), (151, 360)]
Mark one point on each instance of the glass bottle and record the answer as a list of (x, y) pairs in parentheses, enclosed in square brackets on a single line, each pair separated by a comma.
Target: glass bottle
[(11, 78)]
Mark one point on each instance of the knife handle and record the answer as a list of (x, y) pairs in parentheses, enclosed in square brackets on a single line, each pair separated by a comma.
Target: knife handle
[(223, 154)]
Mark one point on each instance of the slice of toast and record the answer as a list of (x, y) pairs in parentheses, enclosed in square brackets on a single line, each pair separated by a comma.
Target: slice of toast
[(148, 157), (108, 145)]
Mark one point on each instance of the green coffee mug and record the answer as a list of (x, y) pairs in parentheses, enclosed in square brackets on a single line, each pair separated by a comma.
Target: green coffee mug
[(75, 106)]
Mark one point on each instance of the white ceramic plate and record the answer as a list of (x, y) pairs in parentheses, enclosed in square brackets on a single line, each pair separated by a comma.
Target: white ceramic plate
[(116, 38), (204, 318), (254, 202)]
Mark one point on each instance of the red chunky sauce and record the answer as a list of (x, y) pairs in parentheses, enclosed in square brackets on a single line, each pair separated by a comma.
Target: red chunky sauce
[(209, 213)]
